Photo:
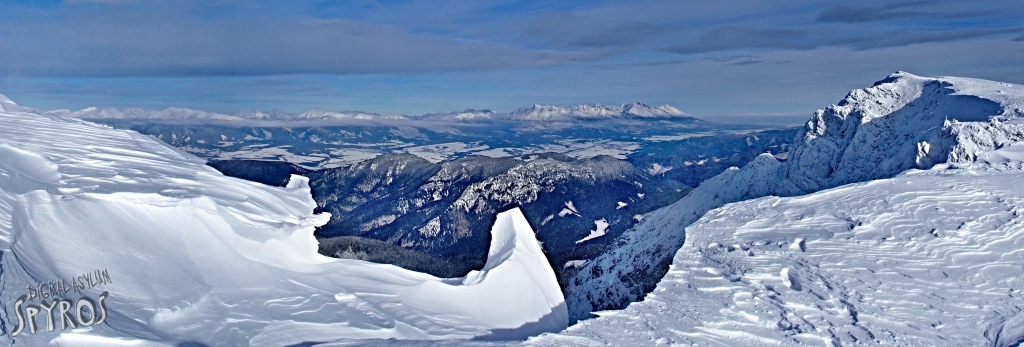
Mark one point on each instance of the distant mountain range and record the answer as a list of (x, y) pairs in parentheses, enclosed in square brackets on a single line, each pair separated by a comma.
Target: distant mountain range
[(548, 113)]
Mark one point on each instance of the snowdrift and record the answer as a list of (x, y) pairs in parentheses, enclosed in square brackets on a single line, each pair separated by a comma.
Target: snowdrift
[(902, 122), (165, 250), (927, 258)]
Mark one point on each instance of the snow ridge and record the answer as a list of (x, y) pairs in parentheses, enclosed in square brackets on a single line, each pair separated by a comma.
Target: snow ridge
[(902, 122), (597, 111), (184, 244), (923, 259)]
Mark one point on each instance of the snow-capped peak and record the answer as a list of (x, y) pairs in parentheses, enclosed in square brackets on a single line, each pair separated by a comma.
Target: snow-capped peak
[(597, 111), (900, 123), (6, 104), (253, 114), (323, 114), (468, 114), (5, 100)]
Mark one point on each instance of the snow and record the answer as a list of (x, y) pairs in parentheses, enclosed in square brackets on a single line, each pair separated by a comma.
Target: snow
[(280, 153), (466, 115), (568, 209), (533, 113), (172, 113), (322, 114), (657, 169), (576, 148), (597, 111), (873, 133), (575, 263), (437, 153), (896, 220), (600, 228), (923, 259), (347, 156), (195, 256), (680, 137)]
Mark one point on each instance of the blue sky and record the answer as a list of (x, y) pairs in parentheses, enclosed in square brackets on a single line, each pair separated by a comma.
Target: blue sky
[(707, 58)]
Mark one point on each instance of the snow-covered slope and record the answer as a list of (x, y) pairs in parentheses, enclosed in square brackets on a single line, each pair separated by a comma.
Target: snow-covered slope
[(902, 122), (597, 111), (928, 258), (191, 255)]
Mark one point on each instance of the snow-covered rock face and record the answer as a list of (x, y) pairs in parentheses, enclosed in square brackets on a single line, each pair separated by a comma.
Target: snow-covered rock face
[(190, 255), (903, 122)]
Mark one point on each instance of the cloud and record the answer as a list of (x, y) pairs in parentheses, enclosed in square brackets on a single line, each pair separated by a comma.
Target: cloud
[(103, 2), (733, 38), (736, 38), (896, 39), (174, 42), (569, 30), (625, 34), (848, 14), (1019, 38), (745, 59)]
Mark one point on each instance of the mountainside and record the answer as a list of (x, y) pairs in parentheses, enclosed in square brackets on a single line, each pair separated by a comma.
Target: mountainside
[(165, 249), (437, 209), (902, 122), (928, 258)]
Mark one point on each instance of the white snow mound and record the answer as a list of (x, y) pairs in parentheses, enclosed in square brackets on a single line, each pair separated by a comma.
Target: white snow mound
[(193, 255)]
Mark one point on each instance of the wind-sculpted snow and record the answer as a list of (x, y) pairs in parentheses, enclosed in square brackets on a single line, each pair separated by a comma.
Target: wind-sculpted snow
[(928, 258), (177, 252), (903, 122)]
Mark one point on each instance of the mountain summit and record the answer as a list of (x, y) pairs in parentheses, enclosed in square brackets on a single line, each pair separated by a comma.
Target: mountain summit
[(596, 111), (900, 123)]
